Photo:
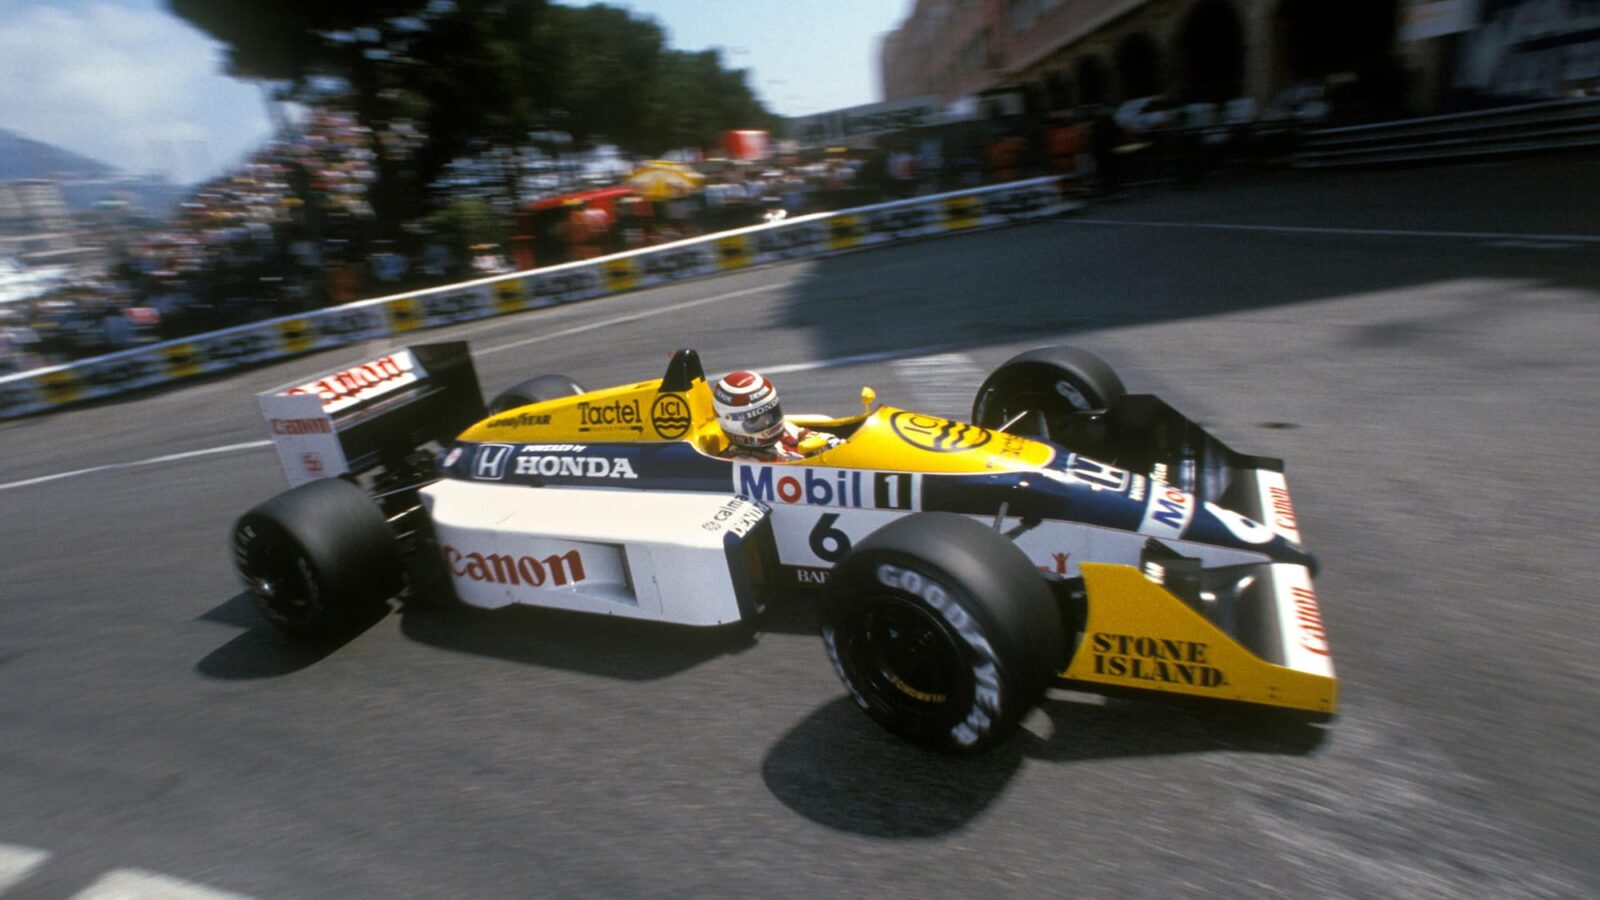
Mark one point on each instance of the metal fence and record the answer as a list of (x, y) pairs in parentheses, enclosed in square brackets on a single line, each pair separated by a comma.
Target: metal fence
[(1530, 128)]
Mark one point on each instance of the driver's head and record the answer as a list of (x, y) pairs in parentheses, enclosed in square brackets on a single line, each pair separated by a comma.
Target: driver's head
[(747, 408)]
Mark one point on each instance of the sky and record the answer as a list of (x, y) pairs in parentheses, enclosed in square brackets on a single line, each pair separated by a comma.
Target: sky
[(127, 83)]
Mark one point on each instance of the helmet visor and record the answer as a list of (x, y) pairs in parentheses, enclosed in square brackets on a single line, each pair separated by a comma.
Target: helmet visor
[(754, 422)]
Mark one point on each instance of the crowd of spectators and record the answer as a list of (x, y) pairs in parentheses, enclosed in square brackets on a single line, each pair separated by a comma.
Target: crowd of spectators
[(293, 228), (290, 229), (274, 236), (735, 194)]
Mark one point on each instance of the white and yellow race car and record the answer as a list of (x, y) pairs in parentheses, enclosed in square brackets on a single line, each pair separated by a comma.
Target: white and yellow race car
[(1071, 534)]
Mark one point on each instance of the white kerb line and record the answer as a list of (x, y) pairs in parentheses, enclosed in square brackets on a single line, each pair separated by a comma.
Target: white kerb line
[(138, 884), (171, 457), (630, 317), (18, 862)]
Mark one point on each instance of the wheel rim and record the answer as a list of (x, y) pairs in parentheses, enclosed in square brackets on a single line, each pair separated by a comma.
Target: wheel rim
[(1051, 402), (908, 659), (1035, 408), (283, 584)]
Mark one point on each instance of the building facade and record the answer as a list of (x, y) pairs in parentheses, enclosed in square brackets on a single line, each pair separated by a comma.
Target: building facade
[(35, 224), (1383, 57)]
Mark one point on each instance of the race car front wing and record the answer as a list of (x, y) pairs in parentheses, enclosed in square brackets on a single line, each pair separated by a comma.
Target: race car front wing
[(1261, 641)]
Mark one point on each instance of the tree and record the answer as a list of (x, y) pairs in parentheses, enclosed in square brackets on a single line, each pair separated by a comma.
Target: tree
[(479, 81), (482, 74), (285, 40), (701, 99), (604, 66)]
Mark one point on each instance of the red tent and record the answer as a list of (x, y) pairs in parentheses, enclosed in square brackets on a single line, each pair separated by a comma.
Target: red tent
[(606, 198)]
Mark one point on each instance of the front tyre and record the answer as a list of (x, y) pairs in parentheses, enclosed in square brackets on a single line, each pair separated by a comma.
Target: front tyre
[(943, 631), (319, 559), (534, 390), (1043, 389)]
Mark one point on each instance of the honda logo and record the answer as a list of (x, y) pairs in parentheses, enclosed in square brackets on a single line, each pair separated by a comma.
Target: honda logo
[(490, 462)]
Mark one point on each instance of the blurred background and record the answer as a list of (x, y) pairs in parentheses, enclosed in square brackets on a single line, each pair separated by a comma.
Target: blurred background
[(173, 168)]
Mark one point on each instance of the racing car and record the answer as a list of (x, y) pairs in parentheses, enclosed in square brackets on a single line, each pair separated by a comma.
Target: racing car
[(1071, 534)]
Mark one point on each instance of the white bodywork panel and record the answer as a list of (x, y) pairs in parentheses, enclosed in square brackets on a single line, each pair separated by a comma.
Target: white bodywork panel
[(656, 555)]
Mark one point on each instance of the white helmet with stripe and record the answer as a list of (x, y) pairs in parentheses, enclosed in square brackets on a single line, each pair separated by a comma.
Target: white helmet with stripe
[(747, 407)]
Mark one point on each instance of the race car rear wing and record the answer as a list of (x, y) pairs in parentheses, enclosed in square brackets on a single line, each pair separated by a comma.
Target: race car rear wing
[(353, 420)]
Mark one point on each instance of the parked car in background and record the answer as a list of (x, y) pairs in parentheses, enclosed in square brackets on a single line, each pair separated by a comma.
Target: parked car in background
[(1141, 117), (1303, 104)]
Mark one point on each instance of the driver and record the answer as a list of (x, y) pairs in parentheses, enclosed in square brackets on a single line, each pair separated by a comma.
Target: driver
[(747, 408)]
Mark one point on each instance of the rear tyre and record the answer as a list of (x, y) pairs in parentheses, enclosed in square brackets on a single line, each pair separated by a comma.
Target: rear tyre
[(534, 390), (943, 631), (319, 560), (1046, 387)]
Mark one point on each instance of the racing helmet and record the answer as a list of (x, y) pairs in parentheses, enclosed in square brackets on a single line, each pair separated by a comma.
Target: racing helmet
[(747, 408)]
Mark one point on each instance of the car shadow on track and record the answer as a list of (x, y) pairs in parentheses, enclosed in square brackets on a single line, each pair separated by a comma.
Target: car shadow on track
[(607, 646), (261, 651), (624, 649), (840, 770)]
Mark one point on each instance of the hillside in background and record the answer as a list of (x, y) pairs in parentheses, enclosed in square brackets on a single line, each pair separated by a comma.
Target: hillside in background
[(24, 157), (84, 182)]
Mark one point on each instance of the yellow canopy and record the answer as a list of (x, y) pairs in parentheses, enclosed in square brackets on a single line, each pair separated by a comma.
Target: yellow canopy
[(660, 180)]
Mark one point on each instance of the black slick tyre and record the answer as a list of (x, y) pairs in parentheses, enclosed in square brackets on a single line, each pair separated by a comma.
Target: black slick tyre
[(1052, 382), (943, 631), (534, 390), (319, 560)]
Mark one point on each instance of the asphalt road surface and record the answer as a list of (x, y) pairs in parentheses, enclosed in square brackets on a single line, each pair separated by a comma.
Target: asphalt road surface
[(1420, 347)]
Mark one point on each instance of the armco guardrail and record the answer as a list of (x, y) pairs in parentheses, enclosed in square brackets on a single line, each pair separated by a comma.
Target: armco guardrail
[(814, 235), (1530, 128)]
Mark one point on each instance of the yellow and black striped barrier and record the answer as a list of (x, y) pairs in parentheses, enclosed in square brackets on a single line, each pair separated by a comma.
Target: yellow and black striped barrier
[(797, 238)]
